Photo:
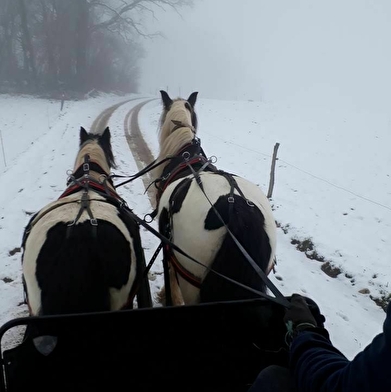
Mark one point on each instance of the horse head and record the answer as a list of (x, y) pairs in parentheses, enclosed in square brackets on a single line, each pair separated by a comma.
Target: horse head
[(178, 113), (97, 147)]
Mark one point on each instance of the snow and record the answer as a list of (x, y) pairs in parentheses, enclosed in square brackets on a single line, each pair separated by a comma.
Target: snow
[(332, 186)]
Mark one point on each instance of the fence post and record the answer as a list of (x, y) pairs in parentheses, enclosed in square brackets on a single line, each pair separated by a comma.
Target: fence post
[(3, 149), (62, 101), (271, 182)]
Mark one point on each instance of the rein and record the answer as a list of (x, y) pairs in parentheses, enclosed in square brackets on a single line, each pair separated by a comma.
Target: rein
[(189, 156), (282, 300), (153, 164), (81, 179), (122, 205)]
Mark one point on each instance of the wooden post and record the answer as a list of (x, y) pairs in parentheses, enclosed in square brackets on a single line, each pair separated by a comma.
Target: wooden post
[(2, 147), (271, 183)]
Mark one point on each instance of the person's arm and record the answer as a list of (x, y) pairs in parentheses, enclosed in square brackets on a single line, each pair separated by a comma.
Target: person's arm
[(318, 366)]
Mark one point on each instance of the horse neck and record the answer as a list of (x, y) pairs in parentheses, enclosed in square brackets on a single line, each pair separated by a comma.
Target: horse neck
[(171, 146)]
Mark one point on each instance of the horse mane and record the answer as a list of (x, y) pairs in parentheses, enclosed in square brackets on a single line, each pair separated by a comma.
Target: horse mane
[(98, 146), (170, 143)]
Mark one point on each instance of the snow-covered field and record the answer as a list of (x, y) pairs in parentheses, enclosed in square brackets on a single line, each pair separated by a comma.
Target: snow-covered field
[(332, 189)]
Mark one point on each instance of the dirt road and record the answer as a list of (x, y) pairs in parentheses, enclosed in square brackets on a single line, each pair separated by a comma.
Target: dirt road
[(100, 123), (137, 145)]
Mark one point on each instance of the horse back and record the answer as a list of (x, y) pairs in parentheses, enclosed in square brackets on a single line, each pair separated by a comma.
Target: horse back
[(199, 220), (81, 267)]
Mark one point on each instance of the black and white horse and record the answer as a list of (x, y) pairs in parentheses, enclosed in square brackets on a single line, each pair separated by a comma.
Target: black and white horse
[(204, 211), (83, 252)]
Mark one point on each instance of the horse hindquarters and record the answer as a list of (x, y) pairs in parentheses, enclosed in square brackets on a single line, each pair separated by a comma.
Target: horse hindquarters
[(247, 224), (86, 272)]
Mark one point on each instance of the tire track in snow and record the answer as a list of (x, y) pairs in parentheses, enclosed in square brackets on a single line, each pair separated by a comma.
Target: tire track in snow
[(137, 145), (100, 123)]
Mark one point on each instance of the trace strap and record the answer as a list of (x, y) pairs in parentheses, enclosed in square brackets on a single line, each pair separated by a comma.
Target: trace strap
[(280, 299)]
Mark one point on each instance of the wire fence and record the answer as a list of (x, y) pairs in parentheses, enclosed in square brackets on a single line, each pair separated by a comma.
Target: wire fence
[(305, 172)]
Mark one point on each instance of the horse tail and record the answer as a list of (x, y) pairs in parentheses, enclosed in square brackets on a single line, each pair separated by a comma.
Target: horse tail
[(75, 272), (247, 224)]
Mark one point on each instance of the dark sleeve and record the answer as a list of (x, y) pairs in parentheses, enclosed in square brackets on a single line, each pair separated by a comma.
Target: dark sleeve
[(318, 366)]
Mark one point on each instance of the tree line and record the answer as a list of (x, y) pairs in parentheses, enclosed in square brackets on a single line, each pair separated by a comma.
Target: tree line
[(74, 45)]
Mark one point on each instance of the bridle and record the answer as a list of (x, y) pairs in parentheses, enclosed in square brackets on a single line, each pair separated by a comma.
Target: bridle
[(180, 124)]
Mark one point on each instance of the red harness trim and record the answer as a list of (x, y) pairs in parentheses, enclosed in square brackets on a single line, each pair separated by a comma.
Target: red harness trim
[(184, 273), (181, 167), (93, 184)]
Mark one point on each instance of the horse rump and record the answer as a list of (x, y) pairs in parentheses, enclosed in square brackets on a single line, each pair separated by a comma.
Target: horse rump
[(247, 224), (76, 272)]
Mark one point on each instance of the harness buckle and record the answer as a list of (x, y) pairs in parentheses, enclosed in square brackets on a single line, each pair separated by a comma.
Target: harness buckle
[(93, 222), (186, 155), (86, 167), (122, 204), (231, 199), (250, 203), (164, 178), (85, 199)]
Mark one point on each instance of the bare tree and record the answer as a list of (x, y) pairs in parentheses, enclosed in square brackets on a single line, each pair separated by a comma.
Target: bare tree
[(123, 11), (28, 49), (75, 44)]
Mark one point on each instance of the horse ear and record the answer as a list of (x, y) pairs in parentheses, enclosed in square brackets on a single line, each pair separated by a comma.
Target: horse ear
[(106, 135), (192, 98), (167, 101), (83, 135)]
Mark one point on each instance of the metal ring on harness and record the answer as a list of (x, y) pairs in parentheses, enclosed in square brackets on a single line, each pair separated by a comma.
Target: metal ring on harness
[(102, 179), (148, 218), (186, 155), (250, 203)]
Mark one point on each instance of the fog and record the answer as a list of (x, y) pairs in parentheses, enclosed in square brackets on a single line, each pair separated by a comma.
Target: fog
[(320, 52)]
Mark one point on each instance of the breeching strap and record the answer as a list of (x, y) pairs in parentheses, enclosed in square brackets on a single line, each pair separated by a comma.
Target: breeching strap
[(279, 297)]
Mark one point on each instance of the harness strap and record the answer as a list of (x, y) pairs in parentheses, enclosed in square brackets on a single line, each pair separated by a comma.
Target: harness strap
[(137, 283), (279, 299), (92, 183), (84, 205), (180, 124), (85, 168), (146, 169), (195, 174), (183, 272), (180, 163), (187, 164)]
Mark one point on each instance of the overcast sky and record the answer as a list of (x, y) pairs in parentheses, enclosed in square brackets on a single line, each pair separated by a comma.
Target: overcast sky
[(274, 49)]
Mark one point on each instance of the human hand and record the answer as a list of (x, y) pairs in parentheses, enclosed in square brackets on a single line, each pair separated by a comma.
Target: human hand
[(299, 315)]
